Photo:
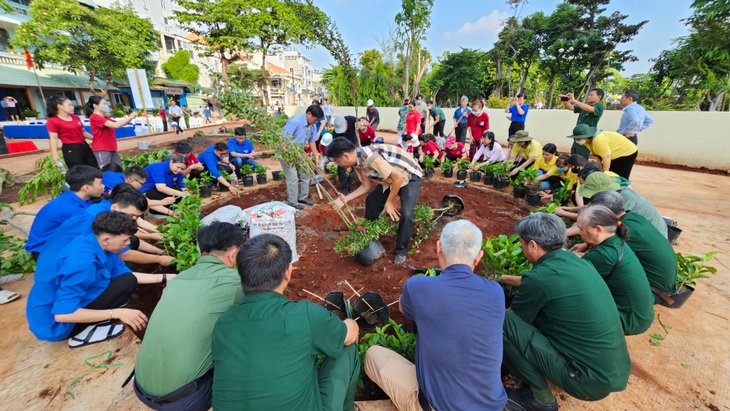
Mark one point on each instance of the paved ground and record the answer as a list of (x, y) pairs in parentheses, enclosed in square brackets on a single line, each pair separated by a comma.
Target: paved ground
[(689, 370)]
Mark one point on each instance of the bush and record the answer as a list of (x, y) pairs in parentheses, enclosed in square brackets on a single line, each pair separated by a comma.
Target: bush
[(496, 102)]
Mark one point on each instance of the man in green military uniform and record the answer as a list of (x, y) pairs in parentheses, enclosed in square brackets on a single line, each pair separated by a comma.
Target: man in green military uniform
[(174, 365), (654, 251), (588, 113), (584, 353), (265, 349)]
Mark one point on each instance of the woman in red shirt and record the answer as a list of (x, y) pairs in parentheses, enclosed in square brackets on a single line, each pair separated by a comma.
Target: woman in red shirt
[(104, 144), (64, 125), (429, 147), (413, 120), (477, 123)]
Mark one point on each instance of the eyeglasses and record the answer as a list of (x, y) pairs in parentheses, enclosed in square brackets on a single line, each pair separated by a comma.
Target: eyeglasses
[(139, 182)]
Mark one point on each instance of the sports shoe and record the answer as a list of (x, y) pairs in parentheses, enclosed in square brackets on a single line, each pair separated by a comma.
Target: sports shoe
[(399, 259), (306, 201), (523, 400), (295, 205)]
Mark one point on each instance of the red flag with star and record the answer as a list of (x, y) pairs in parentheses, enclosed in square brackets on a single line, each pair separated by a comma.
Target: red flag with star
[(28, 59)]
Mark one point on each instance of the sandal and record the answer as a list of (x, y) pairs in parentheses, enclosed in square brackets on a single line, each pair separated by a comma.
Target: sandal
[(8, 296), (96, 333)]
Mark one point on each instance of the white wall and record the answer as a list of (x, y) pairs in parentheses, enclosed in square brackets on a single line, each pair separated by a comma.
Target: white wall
[(689, 138)]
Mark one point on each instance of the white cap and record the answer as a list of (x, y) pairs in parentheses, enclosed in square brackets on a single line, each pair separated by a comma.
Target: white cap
[(371, 103), (326, 139)]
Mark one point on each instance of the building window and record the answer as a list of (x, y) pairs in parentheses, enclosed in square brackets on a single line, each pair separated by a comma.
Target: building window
[(145, 4), (5, 41), (163, 5), (164, 19)]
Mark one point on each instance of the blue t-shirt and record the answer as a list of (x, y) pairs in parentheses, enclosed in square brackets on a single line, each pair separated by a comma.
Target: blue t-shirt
[(244, 148), (206, 112), (79, 274), (459, 316), (516, 117), (210, 160), (159, 173), (51, 216), (458, 113), (111, 179), (300, 130)]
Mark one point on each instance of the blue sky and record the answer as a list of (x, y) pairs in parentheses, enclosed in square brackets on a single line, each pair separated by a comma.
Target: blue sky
[(475, 24)]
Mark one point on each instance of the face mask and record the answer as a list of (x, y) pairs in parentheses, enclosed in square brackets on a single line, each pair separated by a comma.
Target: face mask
[(580, 141), (106, 109), (418, 101), (562, 169), (429, 108), (477, 112), (362, 128), (575, 170)]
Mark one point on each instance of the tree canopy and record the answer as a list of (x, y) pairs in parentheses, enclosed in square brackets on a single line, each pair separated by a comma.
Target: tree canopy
[(179, 67)]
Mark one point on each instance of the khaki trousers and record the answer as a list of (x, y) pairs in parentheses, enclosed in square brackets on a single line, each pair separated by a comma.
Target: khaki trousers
[(395, 375)]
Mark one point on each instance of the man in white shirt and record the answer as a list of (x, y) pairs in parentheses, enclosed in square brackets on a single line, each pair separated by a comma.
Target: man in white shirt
[(177, 114)]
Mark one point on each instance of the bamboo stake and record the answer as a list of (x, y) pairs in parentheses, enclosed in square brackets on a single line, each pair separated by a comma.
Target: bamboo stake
[(315, 295), (358, 294), (380, 309)]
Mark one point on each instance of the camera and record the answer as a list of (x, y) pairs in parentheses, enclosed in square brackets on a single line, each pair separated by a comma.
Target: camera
[(564, 98)]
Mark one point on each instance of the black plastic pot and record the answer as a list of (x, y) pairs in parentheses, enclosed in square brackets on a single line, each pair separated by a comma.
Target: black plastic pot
[(500, 182), (509, 295), (519, 191), (453, 201), (475, 176), (372, 312), (449, 174), (488, 179), (371, 253), (223, 188), (261, 178), (248, 181), (335, 303), (206, 191), (429, 173), (673, 234), (679, 298), (461, 175), (533, 199), (276, 176)]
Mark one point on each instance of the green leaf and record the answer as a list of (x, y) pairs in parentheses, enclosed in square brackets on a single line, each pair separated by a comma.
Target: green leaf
[(687, 366), (656, 336), (655, 342)]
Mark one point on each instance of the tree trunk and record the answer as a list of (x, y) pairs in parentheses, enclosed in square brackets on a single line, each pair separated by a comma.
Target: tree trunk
[(419, 75), (523, 78), (264, 91), (224, 65), (715, 102), (550, 91)]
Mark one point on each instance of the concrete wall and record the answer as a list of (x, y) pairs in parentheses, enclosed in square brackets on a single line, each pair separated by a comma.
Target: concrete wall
[(689, 138)]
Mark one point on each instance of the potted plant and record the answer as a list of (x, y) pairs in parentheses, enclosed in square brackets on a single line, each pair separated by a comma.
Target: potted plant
[(428, 164), (533, 192), (503, 255), (206, 185), (462, 165), (488, 171), (500, 175), (448, 168), (333, 170), (277, 175), (260, 174), (518, 183), (247, 174), (227, 176), (29, 114), (689, 269)]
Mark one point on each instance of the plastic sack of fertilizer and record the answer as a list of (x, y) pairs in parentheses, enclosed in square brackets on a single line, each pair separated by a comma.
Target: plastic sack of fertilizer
[(228, 214), (275, 220)]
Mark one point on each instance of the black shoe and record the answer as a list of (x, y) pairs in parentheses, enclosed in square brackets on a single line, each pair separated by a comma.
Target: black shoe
[(523, 400), (295, 205), (306, 201)]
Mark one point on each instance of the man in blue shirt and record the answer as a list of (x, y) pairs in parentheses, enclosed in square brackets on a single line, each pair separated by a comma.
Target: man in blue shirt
[(206, 114), (134, 175), (635, 117), (517, 111), (241, 150), (87, 283), (301, 130), (461, 115), (459, 315), (85, 183), (215, 159)]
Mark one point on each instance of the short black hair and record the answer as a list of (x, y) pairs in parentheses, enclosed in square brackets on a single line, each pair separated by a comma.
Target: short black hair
[(429, 101), (219, 237), (82, 175), (239, 131), (589, 168), (183, 147), (221, 146), (419, 96), (113, 167), (315, 110), (521, 95), (136, 171), (577, 160), (633, 95), (550, 148), (262, 262), (600, 92), (114, 223), (176, 159), (338, 147), (125, 196)]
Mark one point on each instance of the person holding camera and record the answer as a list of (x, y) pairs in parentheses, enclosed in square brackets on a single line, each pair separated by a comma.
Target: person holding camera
[(588, 113), (517, 111)]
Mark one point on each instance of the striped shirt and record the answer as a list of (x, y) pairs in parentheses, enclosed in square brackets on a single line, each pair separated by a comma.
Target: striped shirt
[(378, 161)]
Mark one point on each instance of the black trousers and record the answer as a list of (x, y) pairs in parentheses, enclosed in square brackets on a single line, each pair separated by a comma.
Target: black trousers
[(75, 154), (623, 165), (346, 179), (154, 194), (164, 125), (514, 127), (438, 128), (193, 396), (177, 120), (115, 295), (460, 133), (375, 203)]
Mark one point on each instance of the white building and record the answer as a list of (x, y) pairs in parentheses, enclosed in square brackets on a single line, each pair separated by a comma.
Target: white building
[(292, 76)]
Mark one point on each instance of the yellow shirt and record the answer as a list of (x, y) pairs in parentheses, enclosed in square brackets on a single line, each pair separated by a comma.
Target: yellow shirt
[(567, 176), (612, 144), (534, 149), (540, 163)]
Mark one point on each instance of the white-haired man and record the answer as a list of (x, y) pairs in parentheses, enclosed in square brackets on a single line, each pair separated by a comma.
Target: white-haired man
[(459, 350)]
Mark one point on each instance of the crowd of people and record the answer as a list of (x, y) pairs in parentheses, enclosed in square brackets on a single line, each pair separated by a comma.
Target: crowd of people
[(243, 344)]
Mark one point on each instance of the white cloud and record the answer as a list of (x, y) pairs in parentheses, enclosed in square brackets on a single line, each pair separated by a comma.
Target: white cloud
[(485, 26)]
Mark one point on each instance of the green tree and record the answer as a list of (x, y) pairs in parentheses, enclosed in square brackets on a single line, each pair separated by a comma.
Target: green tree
[(98, 43), (179, 67), (461, 73), (414, 20)]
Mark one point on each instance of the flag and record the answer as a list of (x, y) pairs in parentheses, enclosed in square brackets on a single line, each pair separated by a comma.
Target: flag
[(28, 59)]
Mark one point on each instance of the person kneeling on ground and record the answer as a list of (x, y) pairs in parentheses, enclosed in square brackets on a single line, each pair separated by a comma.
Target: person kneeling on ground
[(195, 167), (241, 150), (453, 150), (174, 368), (653, 250), (215, 160), (489, 151), (265, 348), (564, 325), (87, 283), (396, 174), (164, 180), (445, 309), (616, 262)]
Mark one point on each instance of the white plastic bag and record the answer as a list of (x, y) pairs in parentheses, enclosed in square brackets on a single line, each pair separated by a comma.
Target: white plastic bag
[(228, 214), (270, 206), (276, 220)]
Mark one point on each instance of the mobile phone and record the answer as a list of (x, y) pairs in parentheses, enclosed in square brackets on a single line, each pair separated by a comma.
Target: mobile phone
[(564, 98)]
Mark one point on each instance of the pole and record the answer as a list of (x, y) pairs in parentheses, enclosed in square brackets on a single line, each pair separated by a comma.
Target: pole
[(141, 97), (43, 98)]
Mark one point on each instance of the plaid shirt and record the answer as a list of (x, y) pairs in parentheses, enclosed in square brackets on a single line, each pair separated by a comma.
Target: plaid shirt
[(378, 161)]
